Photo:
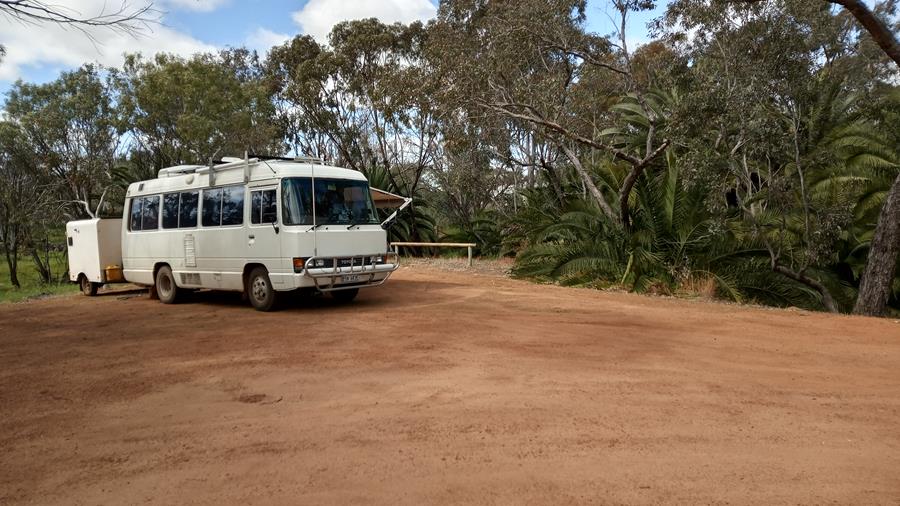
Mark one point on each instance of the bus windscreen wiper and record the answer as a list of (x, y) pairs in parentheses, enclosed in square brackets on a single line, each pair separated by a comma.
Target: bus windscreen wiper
[(317, 225)]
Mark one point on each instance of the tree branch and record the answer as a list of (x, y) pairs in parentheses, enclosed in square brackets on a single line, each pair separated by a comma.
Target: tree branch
[(880, 32)]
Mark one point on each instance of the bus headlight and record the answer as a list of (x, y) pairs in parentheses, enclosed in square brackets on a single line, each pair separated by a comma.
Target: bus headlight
[(377, 259), (319, 262)]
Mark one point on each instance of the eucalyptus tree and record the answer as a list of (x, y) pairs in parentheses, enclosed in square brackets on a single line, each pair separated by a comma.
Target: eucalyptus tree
[(884, 251), (829, 48), (365, 101), (533, 64), (71, 126), (176, 110), (754, 122), (28, 200)]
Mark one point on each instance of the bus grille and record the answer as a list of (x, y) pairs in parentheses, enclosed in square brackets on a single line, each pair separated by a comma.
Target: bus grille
[(345, 262)]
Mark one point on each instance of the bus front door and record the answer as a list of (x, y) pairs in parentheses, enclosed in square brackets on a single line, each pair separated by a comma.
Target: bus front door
[(263, 239)]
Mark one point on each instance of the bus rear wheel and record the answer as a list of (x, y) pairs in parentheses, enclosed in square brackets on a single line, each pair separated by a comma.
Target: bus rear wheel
[(87, 287), (166, 289), (260, 291)]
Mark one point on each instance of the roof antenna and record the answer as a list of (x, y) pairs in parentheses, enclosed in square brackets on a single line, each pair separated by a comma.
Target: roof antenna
[(212, 167), (246, 167)]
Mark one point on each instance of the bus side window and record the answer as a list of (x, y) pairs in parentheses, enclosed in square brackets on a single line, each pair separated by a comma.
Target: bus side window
[(135, 223), (187, 212), (233, 205), (212, 207), (170, 210), (262, 207), (150, 213), (269, 207), (255, 205)]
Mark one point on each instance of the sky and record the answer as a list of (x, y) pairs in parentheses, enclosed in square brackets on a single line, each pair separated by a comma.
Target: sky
[(38, 53)]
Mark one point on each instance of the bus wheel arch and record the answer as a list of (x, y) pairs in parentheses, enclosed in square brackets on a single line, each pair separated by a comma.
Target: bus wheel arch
[(164, 283), (245, 276), (88, 287)]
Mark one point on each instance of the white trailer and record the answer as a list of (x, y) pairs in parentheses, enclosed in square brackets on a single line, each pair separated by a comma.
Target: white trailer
[(95, 253), (258, 226)]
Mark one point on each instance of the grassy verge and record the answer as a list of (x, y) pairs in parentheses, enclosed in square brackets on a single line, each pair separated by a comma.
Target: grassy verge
[(31, 282)]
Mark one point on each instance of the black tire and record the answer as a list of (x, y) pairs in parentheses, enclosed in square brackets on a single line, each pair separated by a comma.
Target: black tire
[(344, 296), (87, 287), (260, 291), (166, 289)]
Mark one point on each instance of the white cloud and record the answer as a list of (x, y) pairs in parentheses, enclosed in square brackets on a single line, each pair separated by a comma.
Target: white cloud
[(318, 16), (195, 5), (45, 44), (262, 39)]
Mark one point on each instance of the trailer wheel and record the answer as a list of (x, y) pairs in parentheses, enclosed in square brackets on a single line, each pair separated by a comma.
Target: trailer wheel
[(344, 296), (166, 289), (87, 287), (260, 291)]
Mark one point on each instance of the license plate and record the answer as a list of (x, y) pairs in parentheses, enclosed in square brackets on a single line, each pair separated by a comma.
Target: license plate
[(350, 278)]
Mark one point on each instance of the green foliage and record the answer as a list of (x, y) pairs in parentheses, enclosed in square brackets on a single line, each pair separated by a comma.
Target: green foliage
[(415, 223), (484, 230), (32, 285), (181, 111), (677, 242)]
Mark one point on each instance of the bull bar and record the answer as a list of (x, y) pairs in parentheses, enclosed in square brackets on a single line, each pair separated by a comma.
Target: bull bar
[(336, 271)]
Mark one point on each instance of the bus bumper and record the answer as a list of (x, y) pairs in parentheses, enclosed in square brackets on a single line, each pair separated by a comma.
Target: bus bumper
[(330, 274)]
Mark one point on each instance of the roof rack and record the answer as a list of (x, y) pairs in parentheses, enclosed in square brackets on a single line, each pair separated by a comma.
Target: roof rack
[(303, 159)]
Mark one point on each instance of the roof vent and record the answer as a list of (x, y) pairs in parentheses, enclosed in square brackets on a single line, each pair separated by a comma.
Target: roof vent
[(308, 159), (178, 170)]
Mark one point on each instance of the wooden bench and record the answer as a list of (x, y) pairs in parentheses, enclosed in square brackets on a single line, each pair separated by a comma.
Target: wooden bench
[(468, 245)]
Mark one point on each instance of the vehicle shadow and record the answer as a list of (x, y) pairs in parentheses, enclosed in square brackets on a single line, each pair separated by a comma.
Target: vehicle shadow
[(393, 295), (130, 290)]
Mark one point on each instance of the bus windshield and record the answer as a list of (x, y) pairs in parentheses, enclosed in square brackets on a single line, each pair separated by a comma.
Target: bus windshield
[(338, 202), (344, 202)]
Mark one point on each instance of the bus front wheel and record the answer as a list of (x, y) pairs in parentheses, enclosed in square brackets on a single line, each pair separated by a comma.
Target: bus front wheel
[(166, 289), (260, 291)]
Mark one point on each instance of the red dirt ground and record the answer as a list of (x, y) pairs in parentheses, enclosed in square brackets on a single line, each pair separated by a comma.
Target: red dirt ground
[(445, 387)]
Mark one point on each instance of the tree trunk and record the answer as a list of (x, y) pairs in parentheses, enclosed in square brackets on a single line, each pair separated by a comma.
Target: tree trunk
[(878, 278), (625, 194), (553, 178), (875, 289), (42, 266), (827, 299), (12, 261), (589, 183), (880, 32), (10, 242)]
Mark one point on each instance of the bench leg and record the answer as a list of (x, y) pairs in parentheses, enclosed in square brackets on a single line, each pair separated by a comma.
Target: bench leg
[(470, 256)]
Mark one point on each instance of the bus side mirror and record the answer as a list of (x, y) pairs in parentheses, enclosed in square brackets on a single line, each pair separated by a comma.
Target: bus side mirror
[(275, 227)]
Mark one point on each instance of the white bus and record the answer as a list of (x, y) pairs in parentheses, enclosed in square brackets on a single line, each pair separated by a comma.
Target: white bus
[(255, 225)]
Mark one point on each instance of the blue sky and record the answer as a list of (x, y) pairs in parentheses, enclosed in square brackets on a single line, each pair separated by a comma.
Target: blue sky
[(39, 53)]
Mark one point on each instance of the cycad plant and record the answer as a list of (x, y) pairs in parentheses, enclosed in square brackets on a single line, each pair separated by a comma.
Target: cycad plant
[(675, 242), (863, 162), (415, 223)]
